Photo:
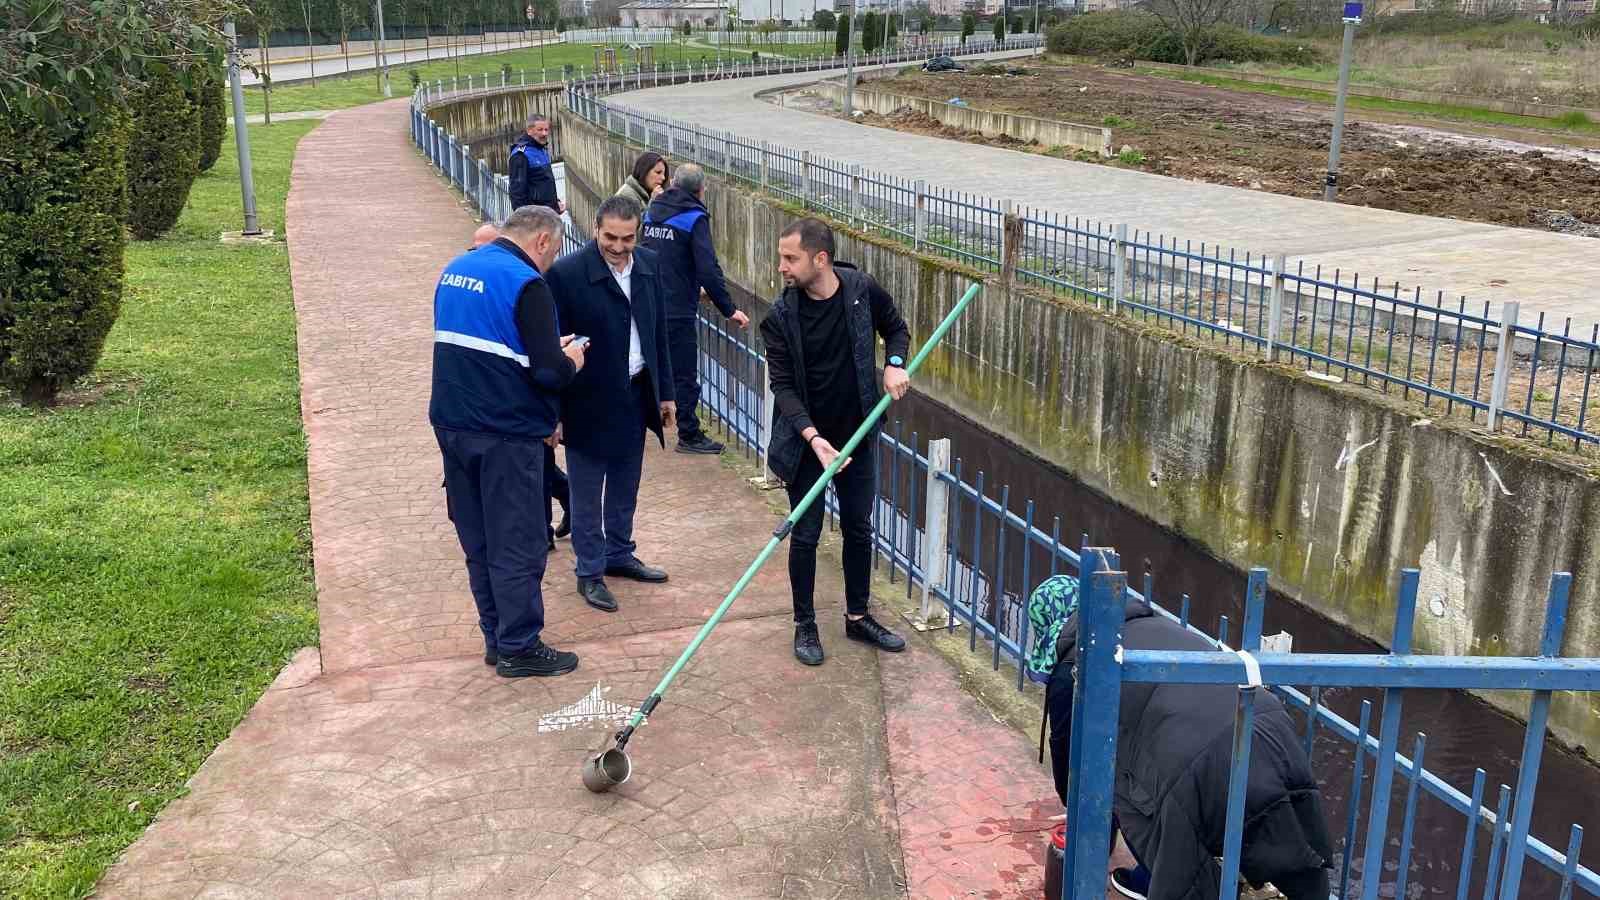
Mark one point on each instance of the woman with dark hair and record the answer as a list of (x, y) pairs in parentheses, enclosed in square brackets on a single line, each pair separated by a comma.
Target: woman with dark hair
[(648, 179)]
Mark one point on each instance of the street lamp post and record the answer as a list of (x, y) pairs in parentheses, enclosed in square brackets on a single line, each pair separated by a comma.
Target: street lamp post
[(1352, 18), (382, 51), (241, 134)]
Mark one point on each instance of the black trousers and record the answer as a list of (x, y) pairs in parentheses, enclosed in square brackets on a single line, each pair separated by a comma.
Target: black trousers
[(493, 488), (556, 488), (684, 350), (857, 487)]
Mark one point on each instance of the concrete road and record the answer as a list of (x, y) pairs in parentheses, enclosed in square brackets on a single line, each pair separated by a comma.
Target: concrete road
[(299, 71), (1550, 273)]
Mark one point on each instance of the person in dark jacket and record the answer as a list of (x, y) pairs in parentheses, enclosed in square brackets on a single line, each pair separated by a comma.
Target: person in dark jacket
[(499, 365), (678, 228), (822, 363), (530, 170), (1174, 751), (610, 292)]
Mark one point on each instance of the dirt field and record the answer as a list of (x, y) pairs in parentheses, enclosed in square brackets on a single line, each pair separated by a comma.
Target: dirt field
[(1280, 145)]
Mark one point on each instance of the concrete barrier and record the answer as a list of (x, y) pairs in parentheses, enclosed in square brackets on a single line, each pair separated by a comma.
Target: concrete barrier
[(990, 123), (1331, 486)]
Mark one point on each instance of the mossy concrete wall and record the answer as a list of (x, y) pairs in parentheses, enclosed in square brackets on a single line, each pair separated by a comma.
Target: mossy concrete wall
[(488, 121), (1334, 488)]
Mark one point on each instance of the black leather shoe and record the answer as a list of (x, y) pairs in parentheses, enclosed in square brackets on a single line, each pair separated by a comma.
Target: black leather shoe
[(637, 571), (807, 646), (565, 528), (490, 658), (595, 593), (540, 660), (867, 630), (699, 444)]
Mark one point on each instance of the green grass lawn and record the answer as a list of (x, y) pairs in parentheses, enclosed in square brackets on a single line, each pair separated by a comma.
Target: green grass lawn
[(343, 91), (155, 567), (1426, 110)]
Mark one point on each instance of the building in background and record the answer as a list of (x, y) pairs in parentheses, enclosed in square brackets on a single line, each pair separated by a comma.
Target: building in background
[(795, 12), (670, 13)]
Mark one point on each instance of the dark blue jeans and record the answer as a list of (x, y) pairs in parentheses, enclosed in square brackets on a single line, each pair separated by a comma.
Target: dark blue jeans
[(494, 490), (684, 350), (605, 493)]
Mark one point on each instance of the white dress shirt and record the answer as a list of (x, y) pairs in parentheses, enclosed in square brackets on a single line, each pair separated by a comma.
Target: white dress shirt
[(635, 355)]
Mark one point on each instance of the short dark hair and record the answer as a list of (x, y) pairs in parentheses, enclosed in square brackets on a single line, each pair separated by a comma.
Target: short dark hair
[(815, 235), (619, 207)]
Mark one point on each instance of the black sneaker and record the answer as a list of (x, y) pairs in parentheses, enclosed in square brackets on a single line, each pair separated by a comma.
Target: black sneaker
[(699, 444), (867, 630), (1126, 881), (540, 660), (807, 646), (565, 527)]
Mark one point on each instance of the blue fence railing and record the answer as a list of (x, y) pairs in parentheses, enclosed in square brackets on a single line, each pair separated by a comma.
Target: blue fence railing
[(980, 561)]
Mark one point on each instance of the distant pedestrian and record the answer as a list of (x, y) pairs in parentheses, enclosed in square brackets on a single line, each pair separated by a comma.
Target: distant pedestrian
[(610, 292), (531, 171), (499, 365), (678, 228), (648, 179), (821, 360)]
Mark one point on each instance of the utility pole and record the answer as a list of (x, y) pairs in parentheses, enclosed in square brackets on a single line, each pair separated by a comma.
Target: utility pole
[(382, 51), (241, 134), (1352, 18)]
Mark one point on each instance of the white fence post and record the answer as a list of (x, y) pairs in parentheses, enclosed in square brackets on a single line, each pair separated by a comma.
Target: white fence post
[(921, 226), (1119, 277), (1504, 359), (805, 178), (935, 538), (855, 195), (1275, 305), (766, 167)]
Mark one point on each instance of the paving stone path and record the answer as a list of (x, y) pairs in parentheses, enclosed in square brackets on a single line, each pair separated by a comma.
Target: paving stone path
[(391, 762)]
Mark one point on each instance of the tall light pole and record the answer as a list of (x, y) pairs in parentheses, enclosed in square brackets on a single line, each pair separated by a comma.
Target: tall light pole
[(382, 51), (241, 134), (1352, 18)]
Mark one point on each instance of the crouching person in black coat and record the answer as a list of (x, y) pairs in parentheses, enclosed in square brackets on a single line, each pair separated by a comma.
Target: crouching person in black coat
[(1174, 749)]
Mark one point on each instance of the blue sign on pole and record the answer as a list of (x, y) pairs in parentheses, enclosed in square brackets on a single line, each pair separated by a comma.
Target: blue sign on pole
[(1352, 12)]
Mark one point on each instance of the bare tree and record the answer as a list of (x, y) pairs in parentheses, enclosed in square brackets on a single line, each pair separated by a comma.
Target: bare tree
[(1191, 21)]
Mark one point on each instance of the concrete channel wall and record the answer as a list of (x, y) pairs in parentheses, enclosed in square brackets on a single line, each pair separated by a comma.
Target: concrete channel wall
[(490, 120), (1047, 132), (1332, 487)]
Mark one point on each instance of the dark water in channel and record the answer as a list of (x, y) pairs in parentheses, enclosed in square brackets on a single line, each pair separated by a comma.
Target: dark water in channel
[(1463, 732)]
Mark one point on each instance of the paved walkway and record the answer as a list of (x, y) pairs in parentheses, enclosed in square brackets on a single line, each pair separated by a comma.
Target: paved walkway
[(1548, 272), (395, 764), (299, 69)]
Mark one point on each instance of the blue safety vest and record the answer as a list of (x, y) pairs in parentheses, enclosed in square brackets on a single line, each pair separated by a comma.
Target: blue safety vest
[(480, 367)]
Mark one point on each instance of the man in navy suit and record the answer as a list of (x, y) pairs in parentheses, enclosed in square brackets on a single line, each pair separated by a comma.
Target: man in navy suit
[(610, 293)]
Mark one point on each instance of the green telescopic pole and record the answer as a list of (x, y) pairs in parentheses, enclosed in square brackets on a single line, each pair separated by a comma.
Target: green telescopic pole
[(783, 530)]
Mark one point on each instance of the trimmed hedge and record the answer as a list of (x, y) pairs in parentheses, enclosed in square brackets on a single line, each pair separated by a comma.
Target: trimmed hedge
[(1135, 35), (163, 156), (205, 91), (63, 197)]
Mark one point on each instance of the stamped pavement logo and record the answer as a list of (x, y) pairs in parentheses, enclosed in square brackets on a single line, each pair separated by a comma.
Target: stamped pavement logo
[(593, 709)]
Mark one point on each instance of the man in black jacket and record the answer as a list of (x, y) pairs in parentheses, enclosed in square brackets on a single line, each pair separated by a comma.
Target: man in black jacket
[(531, 171), (610, 292), (678, 228), (1174, 752), (821, 359)]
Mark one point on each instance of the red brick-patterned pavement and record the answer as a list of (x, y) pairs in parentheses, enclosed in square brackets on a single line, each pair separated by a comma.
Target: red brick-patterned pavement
[(395, 764)]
